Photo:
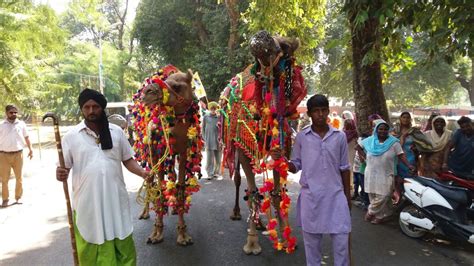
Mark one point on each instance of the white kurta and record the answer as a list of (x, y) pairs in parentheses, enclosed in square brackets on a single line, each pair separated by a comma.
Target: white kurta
[(380, 171), (99, 195)]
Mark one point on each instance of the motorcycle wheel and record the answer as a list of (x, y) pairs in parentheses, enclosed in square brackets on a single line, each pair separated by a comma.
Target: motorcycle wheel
[(412, 230)]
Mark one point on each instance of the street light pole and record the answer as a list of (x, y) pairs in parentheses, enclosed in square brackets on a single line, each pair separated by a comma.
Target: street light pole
[(101, 84)]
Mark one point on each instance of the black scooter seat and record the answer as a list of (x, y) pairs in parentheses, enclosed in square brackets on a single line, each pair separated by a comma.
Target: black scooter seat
[(457, 194)]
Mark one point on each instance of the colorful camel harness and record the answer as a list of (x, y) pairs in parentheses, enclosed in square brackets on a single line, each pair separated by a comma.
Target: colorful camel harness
[(256, 121), (153, 147)]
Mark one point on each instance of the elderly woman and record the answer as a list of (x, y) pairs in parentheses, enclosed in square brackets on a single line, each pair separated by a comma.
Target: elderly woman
[(404, 132), (380, 151), (431, 162)]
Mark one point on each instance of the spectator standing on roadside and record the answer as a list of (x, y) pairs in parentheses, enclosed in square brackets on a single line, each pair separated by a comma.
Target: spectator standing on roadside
[(13, 137)]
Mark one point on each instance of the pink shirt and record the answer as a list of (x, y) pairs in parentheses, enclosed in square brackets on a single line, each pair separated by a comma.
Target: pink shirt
[(322, 205)]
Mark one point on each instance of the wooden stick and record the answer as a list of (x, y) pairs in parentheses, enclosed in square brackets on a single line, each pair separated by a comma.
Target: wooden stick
[(351, 261), (65, 186)]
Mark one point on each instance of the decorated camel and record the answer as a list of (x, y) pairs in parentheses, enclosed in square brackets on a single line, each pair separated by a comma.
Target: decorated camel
[(166, 121), (259, 102)]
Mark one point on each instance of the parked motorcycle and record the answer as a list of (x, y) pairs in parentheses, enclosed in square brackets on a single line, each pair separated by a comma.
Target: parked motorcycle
[(456, 180), (431, 206)]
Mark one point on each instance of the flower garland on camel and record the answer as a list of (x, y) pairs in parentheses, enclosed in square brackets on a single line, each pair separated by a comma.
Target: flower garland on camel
[(259, 111), (153, 146)]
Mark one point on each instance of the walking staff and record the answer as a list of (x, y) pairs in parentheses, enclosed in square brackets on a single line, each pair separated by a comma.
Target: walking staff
[(65, 186)]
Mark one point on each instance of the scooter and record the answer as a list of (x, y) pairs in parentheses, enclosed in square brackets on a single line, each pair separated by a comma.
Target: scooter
[(431, 206)]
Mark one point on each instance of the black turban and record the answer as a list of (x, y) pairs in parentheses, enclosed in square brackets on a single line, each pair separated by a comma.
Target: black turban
[(89, 94), (104, 133)]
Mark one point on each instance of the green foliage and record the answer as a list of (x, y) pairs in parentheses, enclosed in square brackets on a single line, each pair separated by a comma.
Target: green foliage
[(292, 18), (30, 41), (423, 85), (448, 24), (195, 37), (335, 68)]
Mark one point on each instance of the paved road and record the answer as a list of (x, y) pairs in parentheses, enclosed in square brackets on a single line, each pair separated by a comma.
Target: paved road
[(36, 232)]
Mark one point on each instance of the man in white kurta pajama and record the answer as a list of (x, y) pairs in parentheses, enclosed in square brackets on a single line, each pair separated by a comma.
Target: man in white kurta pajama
[(103, 224)]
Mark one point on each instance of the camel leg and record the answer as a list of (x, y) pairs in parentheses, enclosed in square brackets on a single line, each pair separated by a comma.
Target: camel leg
[(184, 238), (146, 212), (237, 181), (252, 246), (157, 235), (276, 199)]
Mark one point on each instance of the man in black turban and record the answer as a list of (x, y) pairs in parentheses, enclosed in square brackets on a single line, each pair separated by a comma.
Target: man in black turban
[(102, 221), (96, 119)]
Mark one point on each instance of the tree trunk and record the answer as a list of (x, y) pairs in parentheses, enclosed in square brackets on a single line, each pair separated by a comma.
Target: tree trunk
[(201, 30), (468, 84), (471, 83), (233, 11), (367, 76), (121, 80), (234, 15)]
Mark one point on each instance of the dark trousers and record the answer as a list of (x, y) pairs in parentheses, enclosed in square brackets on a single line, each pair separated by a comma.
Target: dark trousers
[(359, 182)]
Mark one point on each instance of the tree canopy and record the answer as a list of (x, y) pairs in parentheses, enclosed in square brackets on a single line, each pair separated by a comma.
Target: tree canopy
[(414, 53)]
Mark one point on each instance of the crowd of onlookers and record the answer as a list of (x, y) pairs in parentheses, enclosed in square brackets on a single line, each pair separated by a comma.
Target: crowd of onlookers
[(381, 158)]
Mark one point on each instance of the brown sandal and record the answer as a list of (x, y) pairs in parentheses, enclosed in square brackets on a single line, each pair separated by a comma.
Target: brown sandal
[(376, 221), (369, 217)]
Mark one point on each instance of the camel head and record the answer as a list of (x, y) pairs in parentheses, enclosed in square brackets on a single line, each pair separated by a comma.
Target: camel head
[(181, 84), (179, 88), (266, 48)]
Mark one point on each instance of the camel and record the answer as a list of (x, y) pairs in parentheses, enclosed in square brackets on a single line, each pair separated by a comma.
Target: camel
[(259, 101), (167, 129)]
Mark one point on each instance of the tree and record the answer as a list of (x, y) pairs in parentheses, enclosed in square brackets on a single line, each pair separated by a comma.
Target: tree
[(198, 37), (30, 40), (366, 42), (293, 18), (334, 57), (104, 23), (449, 27)]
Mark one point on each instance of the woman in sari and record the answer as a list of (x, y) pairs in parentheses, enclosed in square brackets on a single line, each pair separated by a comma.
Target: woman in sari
[(380, 151), (405, 133), (431, 162)]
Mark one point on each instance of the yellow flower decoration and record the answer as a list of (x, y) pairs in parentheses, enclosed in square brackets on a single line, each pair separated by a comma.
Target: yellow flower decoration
[(170, 185), (188, 199), (253, 109), (275, 132), (193, 182), (192, 133), (166, 95), (280, 246), (266, 111), (273, 233)]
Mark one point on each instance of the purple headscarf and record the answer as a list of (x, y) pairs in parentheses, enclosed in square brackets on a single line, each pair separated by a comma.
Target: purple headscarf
[(350, 129)]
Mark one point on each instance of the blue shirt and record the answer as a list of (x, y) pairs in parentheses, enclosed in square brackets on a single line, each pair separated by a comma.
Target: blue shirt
[(461, 160)]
